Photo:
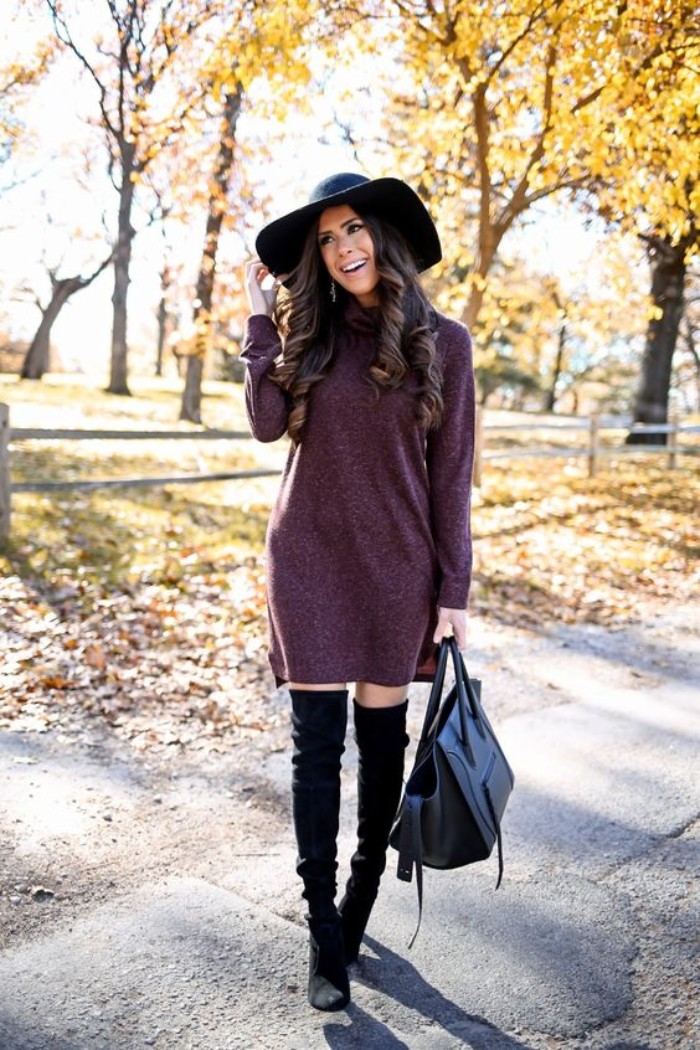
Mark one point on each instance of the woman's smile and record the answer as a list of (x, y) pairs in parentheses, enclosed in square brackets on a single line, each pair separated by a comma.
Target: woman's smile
[(354, 266)]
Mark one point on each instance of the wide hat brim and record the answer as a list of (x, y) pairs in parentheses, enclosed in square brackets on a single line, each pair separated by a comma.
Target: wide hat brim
[(280, 243)]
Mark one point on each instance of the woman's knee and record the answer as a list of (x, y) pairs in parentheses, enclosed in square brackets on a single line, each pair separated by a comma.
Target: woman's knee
[(369, 694)]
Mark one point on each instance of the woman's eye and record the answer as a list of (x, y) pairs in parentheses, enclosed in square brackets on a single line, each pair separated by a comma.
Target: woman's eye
[(354, 227), (326, 239)]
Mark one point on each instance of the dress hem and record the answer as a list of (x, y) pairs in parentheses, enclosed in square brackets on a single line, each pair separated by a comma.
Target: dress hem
[(424, 673)]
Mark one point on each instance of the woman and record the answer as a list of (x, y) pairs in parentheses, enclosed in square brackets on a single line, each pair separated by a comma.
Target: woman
[(368, 545)]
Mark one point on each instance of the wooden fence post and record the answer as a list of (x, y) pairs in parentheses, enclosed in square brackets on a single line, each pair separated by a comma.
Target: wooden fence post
[(594, 446), (478, 445), (672, 442), (4, 473)]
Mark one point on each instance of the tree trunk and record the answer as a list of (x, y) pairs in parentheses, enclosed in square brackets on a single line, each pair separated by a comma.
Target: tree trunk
[(689, 339), (667, 262), (162, 318), (36, 361), (191, 407), (550, 397), (118, 383)]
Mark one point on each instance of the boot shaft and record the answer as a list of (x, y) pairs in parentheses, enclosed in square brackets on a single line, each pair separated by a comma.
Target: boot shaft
[(319, 720), (381, 740)]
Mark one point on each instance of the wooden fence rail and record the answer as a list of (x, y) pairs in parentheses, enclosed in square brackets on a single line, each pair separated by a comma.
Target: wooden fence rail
[(592, 450)]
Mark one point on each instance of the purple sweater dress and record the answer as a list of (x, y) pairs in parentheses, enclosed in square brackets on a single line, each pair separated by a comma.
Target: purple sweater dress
[(370, 529)]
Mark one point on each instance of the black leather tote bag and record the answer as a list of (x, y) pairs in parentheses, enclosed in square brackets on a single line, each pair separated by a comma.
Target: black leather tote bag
[(454, 800)]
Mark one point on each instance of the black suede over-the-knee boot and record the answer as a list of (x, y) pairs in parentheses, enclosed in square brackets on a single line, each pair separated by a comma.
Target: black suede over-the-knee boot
[(319, 719), (381, 738)]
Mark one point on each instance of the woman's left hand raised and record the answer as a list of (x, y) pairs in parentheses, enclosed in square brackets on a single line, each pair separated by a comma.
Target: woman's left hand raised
[(261, 299), (457, 620)]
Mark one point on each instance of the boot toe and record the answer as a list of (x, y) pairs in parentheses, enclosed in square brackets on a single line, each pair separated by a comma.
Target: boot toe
[(325, 996), (329, 988)]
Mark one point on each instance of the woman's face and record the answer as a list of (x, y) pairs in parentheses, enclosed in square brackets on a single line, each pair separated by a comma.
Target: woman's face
[(348, 253)]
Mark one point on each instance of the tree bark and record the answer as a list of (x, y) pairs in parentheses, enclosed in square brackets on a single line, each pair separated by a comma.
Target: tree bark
[(36, 361), (162, 318), (191, 407), (118, 383), (689, 340), (550, 398), (668, 268)]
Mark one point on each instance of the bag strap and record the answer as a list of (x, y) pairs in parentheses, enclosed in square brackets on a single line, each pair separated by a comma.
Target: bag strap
[(411, 848), (499, 838), (411, 851), (465, 692), (435, 698)]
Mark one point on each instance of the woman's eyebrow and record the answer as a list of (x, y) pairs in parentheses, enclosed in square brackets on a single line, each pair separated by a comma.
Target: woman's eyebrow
[(322, 233)]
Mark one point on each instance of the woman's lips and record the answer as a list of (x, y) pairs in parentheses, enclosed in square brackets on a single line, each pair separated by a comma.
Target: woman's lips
[(354, 267)]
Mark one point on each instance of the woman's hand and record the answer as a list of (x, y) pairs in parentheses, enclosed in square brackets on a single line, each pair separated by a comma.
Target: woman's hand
[(261, 300), (457, 620)]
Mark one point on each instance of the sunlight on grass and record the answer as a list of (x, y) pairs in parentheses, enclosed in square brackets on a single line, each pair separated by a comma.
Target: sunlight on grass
[(556, 545), (37, 461), (77, 401), (114, 538)]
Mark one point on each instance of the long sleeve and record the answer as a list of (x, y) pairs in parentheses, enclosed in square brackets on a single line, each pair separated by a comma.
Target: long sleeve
[(450, 459), (266, 403)]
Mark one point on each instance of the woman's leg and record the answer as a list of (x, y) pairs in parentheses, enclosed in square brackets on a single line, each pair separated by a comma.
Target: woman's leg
[(368, 694), (319, 719), (380, 732)]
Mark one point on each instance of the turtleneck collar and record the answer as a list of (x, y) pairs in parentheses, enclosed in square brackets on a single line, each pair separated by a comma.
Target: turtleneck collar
[(361, 318)]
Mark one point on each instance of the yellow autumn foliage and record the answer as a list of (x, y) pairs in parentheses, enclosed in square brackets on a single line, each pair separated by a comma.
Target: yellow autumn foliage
[(17, 77), (500, 106)]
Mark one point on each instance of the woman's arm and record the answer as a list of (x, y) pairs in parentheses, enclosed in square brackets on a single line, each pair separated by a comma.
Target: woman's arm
[(267, 404), (450, 459)]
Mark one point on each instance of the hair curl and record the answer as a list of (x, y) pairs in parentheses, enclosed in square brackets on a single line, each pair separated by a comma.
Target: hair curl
[(309, 321)]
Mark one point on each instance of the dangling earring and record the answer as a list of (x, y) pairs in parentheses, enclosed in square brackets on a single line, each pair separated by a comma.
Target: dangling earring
[(333, 291)]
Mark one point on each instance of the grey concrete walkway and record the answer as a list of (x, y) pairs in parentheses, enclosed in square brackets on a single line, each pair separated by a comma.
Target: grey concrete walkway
[(588, 944)]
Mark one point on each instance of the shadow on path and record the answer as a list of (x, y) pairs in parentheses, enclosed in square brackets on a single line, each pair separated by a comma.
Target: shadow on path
[(393, 976)]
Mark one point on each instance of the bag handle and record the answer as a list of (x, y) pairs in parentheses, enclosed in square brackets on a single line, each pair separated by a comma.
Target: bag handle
[(465, 694), (435, 698)]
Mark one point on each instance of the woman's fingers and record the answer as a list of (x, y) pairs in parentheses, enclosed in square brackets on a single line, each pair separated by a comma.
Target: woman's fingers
[(443, 624), (451, 621), (261, 298), (257, 271)]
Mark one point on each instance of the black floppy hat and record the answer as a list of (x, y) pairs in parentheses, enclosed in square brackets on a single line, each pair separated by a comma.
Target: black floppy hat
[(280, 243)]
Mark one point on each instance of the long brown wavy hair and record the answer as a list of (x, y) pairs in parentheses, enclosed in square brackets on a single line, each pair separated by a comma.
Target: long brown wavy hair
[(308, 322)]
